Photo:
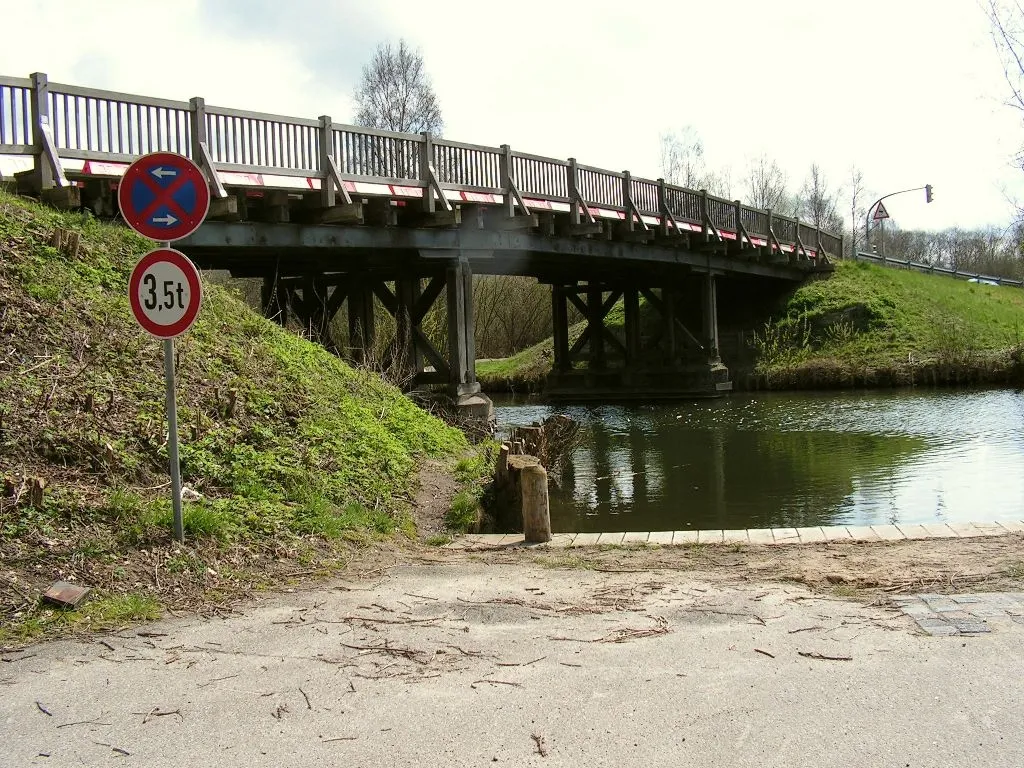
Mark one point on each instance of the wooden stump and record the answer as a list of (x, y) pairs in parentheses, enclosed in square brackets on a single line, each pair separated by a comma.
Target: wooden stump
[(37, 485), (533, 481)]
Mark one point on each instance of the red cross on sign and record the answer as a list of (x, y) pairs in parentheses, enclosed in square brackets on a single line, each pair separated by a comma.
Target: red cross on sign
[(163, 196)]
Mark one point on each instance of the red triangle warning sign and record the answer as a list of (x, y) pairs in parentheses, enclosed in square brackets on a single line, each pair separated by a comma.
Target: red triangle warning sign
[(880, 212)]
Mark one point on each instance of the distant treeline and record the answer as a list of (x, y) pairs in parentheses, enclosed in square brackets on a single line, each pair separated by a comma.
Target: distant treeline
[(989, 251)]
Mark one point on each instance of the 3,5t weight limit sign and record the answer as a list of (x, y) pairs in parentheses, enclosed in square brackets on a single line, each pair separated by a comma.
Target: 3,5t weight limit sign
[(165, 293), (174, 294)]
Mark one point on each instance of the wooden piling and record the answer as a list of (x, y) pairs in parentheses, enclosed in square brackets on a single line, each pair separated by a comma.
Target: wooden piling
[(533, 482)]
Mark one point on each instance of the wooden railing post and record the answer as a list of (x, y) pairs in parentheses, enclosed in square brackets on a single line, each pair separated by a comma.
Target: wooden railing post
[(199, 144), (663, 207), (572, 185), (505, 179), (197, 130), (704, 216), (326, 181), (627, 199), (39, 102), (426, 160), (741, 232)]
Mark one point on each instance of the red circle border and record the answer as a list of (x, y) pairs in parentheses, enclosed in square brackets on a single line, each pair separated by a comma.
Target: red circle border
[(139, 168), (183, 263)]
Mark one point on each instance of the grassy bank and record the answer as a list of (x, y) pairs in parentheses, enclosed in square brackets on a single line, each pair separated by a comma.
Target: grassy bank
[(869, 325), (866, 325), (294, 458)]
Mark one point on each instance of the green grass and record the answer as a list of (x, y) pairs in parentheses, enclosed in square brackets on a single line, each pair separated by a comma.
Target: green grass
[(104, 612), (288, 446), (466, 511), (475, 473), (867, 318)]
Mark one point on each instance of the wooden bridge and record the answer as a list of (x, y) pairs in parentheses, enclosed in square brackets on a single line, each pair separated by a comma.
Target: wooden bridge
[(333, 215)]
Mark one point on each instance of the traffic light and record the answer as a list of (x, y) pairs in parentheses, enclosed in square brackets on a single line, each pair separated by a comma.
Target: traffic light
[(927, 193)]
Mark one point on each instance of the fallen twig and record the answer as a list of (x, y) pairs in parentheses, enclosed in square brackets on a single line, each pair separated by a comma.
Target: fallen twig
[(368, 620), (806, 629), (519, 663), (94, 721), (765, 653), (823, 657), (408, 653), (44, 710), (217, 679), (496, 682), (106, 645), (157, 712), (306, 697), (341, 738), (541, 746)]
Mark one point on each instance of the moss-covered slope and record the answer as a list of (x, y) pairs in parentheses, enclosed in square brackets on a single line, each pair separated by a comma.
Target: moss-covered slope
[(289, 449)]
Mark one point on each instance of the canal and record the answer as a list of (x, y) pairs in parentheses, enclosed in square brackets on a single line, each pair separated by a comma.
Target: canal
[(755, 460)]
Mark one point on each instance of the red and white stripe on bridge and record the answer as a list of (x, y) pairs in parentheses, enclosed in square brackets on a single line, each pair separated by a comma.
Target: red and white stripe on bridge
[(257, 181)]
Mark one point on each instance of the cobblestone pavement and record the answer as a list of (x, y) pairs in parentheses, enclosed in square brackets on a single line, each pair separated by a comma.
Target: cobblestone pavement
[(962, 614)]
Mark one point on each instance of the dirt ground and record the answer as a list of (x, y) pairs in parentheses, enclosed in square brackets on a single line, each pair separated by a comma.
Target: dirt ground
[(436, 489), (455, 662), (845, 569)]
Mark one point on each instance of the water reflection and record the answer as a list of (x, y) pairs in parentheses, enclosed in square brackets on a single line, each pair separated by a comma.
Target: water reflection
[(791, 460)]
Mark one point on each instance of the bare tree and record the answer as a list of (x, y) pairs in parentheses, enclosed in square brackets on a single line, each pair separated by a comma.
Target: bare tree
[(682, 158), (857, 212), (395, 93), (765, 184), (1008, 34), (1007, 18), (818, 203), (683, 164)]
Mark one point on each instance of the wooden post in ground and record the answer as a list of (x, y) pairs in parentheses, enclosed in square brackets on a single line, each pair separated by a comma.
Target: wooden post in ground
[(533, 482)]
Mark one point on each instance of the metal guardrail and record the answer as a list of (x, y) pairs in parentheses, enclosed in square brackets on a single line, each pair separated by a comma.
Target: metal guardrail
[(937, 270), (51, 121)]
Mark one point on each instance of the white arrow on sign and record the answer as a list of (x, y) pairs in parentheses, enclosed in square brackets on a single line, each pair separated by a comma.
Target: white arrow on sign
[(167, 220), (162, 172)]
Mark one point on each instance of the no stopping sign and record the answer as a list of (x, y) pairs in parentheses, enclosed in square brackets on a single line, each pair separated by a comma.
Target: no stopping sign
[(165, 293)]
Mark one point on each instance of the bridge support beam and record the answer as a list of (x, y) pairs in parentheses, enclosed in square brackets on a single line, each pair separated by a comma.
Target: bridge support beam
[(408, 355), (461, 329), (462, 383), (595, 324), (710, 315), (560, 328), (361, 325), (631, 317)]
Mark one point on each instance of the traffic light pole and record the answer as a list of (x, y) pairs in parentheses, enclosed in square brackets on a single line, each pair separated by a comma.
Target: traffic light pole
[(867, 219)]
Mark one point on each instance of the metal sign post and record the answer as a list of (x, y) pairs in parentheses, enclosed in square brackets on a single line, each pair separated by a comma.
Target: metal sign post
[(164, 196), (172, 438)]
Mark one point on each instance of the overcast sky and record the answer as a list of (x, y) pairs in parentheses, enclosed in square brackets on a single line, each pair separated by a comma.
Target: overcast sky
[(910, 91)]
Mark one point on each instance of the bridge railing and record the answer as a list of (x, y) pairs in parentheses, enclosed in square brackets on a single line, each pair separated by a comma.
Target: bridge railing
[(16, 135), (543, 177), (54, 122), (89, 124), (255, 142)]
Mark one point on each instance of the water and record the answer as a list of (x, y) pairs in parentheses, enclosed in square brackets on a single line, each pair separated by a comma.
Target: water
[(762, 460)]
